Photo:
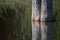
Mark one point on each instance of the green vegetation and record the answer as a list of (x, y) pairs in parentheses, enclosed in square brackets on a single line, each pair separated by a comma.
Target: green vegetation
[(15, 20), (56, 26)]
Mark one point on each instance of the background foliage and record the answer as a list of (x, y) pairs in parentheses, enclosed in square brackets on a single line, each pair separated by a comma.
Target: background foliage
[(56, 26), (15, 20)]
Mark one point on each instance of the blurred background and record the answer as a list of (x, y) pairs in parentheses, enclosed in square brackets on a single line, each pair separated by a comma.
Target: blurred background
[(15, 20), (56, 26)]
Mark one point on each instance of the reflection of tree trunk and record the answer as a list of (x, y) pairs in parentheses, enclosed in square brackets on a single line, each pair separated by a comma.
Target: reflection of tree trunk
[(46, 30), (49, 30), (35, 31), (43, 31)]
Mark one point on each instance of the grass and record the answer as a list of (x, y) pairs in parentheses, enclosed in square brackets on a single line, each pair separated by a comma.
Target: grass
[(20, 24), (57, 23)]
